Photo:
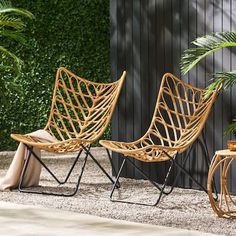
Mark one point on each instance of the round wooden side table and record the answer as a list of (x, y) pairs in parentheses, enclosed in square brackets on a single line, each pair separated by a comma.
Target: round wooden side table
[(225, 206)]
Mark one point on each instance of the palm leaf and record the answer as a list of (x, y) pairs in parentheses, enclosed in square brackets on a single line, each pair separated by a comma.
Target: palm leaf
[(11, 21), (227, 79), (230, 129), (6, 7), (16, 35), (205, 46), (11, 26), (17, 62)]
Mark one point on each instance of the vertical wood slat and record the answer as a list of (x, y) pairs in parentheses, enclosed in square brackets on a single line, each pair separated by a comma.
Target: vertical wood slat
[(226, 9), (200, 74), (218, 66), (208, 70), (192, 78), (184, 43), (114, 73), (128, 37), (121, 65), (143, 72), (158, 171), (233, 90), (147, 39), (137, 83)]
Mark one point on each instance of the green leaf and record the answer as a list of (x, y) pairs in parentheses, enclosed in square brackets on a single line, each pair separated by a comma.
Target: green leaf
[(6, 7), (11, 26), (205, 46), (11, 22), (17, 62), (230, 129), (15, 35), (226, 79)]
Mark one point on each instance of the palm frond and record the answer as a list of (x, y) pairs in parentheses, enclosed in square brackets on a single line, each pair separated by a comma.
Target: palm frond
[(11, 22), (17, 62), (227, 79), (6, 7), (16, 35), (205, 46), (230, 129), (11, 26)]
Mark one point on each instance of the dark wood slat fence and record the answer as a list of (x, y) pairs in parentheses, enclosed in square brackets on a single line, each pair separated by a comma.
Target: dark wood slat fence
[(147, 39)]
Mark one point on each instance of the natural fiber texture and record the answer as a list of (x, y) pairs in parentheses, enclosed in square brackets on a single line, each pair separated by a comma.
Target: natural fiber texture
[(225, 206), (80, 112), (180, 114)]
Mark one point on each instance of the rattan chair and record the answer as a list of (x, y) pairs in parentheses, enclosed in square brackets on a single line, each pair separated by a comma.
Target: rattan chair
[(179, 117), (80, 113)]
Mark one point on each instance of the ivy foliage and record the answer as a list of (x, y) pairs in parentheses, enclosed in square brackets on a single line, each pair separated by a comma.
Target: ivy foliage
[(73, 34)]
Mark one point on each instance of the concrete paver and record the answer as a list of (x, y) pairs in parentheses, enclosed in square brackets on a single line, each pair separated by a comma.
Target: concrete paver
[(24, 220)]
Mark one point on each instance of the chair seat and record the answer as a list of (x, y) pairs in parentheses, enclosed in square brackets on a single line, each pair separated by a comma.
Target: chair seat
[(149, 153), (69, 145)]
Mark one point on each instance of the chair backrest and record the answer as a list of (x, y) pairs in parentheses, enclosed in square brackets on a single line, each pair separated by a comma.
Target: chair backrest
[(180, 114), (81, 108)]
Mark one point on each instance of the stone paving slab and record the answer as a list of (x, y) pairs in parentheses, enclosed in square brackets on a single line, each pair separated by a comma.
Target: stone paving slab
[(25, 220)]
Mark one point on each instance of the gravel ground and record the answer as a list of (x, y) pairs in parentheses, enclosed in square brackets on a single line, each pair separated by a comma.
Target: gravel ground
[(186, 209)]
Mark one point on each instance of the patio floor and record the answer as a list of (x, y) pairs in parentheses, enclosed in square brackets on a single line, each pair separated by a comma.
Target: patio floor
[(183, 209), (23, 220)]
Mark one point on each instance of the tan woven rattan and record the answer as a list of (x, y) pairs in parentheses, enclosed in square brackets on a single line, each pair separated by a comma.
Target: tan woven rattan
[(180, 114), (80, 112), (220, 167)]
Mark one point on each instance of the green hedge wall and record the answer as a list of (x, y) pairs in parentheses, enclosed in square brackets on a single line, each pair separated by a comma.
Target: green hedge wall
[(69, 33)]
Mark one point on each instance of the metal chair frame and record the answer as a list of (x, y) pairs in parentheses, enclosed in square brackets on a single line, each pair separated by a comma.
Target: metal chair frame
[(173, 163), (88, 154)]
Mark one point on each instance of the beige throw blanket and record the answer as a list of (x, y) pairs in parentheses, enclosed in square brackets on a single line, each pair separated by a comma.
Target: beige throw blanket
[(32, 175)]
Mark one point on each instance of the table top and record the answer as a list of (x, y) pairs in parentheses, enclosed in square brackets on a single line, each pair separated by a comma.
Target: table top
[(226, 152)]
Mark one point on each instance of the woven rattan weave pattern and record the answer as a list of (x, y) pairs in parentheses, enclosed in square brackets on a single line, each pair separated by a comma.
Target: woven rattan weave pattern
[(220, 168), (180, 114), (80, 112)]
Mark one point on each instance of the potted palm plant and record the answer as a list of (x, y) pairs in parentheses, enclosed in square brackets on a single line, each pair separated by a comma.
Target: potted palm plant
[(205, 46), (11, 28)]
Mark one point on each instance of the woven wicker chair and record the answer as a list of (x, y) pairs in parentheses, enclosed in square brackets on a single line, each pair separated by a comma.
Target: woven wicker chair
[(179, 117), (80, 113)]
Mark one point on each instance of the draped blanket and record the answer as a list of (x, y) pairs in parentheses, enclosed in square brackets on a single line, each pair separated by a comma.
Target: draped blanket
[(32, 175)]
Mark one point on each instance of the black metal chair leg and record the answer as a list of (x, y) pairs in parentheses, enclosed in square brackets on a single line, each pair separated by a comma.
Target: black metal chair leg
[(161, 189), (186, 172), (208, 161), (164, 184), (112, 166), (206, 158), (179, 171), (50, 172), (98, 164), (80, 176), (117, 179), (29, 150), (73, 165), (42, 163), (27, 190), (144, 175)]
